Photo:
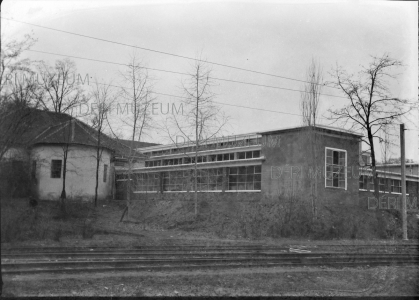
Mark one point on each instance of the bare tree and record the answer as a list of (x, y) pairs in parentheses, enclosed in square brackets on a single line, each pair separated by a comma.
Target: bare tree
[(309, 106), (202, 119), (138, 98), (11, 63), (371, 106), (310, 98), (16, 93), (61, 88), (104, 98)]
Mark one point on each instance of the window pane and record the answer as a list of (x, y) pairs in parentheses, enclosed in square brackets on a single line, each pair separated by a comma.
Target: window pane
[(56, 168), (241, 178), (329, 160), (242, 170), (232, 178), (329, 175), (335, 157), (256, 154), (249, 177), (329, 153), (241, 186), (105, 172), (234, 170), (249, 154), (241, 155), (257, 186)]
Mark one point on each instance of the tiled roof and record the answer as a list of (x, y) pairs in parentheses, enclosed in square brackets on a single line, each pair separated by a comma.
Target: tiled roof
[(57, 128)]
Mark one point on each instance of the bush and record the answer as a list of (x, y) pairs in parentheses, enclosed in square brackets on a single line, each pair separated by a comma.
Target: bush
[(20, 222), (269, 217)]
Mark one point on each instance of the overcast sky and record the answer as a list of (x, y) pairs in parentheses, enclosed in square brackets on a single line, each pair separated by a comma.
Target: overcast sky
[(273, 37)]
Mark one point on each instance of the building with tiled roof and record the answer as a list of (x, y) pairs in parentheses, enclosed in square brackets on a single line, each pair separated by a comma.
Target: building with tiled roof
[(52, 137)]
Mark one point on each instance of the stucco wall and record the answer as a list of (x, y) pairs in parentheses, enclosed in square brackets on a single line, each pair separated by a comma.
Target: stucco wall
[(287, 169), (80, 175)]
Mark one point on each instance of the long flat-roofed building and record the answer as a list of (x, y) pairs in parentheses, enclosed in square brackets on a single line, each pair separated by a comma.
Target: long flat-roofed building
[(269, 163)]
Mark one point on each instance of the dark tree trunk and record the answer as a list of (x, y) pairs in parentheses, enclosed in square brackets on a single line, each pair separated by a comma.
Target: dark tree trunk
[(63, 192), (373, 166)]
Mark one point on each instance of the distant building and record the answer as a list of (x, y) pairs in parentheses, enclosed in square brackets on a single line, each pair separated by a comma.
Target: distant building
[(411, 168)]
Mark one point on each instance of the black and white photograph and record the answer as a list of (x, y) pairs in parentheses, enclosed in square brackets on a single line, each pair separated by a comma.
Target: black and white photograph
[(225, 148)]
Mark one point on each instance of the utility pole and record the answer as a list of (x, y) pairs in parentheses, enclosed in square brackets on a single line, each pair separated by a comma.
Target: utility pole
[(403, 175)]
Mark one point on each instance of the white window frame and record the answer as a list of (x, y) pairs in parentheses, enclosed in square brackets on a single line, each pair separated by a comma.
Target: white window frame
[(325, 169)]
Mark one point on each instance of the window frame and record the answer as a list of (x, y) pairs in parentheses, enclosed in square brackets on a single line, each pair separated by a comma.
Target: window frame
[(383, 184), (363, 179), (52, 166), (398, 186), (33, 169), (105, 172), (240, 179), (345, 168)]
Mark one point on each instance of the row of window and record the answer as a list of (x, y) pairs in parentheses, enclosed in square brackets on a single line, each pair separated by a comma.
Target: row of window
[(203, 159), (56, 166), (228, 144), (237, 178), (384, 185)]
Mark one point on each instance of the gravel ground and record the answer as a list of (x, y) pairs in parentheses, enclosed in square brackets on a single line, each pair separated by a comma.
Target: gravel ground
[(380, 281)]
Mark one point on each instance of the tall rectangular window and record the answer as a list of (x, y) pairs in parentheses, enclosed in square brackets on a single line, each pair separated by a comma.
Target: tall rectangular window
[(335, 168), (363, 182), (105, 172), (33, 169), (396, 186), (56, 168), (382, 184)]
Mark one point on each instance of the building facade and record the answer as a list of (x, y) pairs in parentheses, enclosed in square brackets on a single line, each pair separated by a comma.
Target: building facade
[(291, 162)]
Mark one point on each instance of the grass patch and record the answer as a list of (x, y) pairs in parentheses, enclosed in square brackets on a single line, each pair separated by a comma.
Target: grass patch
[(20, 222), (273, 218)]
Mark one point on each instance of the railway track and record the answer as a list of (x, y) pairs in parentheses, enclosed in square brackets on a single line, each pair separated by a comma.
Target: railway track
[(97, 259)]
